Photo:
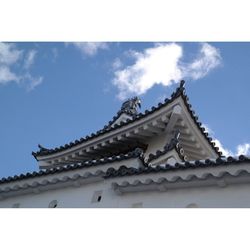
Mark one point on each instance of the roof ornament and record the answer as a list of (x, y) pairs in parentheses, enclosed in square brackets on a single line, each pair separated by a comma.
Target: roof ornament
[(130, 106), (182, 84), (180, 90), (42, 149)]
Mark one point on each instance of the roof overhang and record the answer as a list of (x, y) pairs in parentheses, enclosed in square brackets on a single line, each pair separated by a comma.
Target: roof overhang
[(67, 176), (195, 174), (174, 113)]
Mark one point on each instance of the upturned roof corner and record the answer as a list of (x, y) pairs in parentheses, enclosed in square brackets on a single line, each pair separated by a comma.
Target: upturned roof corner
[(130, 108)]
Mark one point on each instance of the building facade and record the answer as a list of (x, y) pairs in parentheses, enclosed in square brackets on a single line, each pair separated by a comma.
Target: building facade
[(160, 158)]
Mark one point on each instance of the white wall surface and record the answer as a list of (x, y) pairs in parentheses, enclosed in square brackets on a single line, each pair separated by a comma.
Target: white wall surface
[(236, 195)]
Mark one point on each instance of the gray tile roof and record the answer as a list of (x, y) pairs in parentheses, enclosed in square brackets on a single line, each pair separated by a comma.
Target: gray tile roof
[(137, 153), (180, 91), (125, 171)]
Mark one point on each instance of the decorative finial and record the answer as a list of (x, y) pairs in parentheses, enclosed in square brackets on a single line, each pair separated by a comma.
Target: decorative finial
[(179, 90), (182, 84), (130, 106)]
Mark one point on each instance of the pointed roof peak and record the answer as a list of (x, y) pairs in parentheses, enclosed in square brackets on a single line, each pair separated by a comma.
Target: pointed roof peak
[(180, 90), (182, 84), (127, 115)]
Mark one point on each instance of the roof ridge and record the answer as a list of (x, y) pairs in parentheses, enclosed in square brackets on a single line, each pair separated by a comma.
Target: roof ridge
[(178, 166), (125, 171), (137, 152), (176, 179)]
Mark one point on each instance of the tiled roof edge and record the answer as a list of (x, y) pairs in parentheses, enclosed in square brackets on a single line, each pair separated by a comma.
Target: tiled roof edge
[(7, 190), (199, 124), (125, 171), (190, 178), (180, 91), (137, 153)]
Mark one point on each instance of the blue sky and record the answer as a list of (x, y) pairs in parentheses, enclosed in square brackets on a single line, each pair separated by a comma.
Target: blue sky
[(54, 93)]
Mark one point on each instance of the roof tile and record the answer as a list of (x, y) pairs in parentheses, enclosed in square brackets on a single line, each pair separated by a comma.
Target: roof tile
[(180, 91)]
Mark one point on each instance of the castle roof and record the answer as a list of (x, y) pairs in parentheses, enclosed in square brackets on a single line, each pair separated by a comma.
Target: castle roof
[(164, 147), (135, 128), (132, 179)]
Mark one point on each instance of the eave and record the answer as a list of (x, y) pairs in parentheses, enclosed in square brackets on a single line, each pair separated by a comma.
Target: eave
[(125, 178), (122, 159), (162, 184), (135, 131), (220, 173), (68, 176)]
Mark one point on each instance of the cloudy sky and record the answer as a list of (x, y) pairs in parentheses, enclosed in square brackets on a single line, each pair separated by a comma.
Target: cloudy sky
[(54, 93)]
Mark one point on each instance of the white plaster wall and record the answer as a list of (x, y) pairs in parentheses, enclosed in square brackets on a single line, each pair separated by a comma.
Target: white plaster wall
[(215, 195), (237, 195), (203, 197)]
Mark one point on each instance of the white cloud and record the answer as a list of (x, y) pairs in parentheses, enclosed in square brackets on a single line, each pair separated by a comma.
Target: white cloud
[(207, 59), (117, 64), (217, 142), (6, 75), (15, 64), (9, 54), (242, 149), (90, 48), (31, 82), (226, 152), (162, 65), (158, 65), (208, 129), (29, 59)]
